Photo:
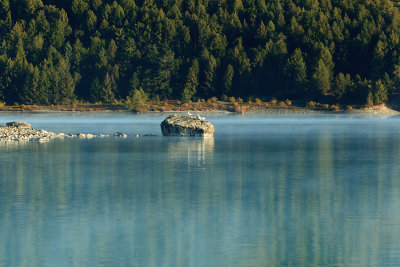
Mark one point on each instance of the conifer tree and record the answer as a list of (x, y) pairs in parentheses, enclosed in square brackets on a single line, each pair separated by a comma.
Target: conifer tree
[(341, 85), (107, 89), (380, 93), (296, 71), (227, 80), (207, 80), (321, 78), (192, 82)]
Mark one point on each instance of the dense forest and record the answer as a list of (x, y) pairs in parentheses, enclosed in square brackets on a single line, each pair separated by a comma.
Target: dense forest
[(60, 52)]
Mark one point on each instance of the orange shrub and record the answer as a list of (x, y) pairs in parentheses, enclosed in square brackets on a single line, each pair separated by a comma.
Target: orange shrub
[(212, 100), (311, 104), (335, 107)]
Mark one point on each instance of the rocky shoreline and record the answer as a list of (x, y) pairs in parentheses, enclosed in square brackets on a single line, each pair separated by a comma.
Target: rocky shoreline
[(22, 131)]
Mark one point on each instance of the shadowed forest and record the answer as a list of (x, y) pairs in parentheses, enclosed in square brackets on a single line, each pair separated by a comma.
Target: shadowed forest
[(62, 52)]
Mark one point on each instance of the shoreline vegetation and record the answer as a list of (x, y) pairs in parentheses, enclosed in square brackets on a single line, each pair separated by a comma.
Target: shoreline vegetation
[(212, 105)]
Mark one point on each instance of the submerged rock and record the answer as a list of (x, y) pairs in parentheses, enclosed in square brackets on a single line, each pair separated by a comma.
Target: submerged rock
[(176, 125), (119, 134)]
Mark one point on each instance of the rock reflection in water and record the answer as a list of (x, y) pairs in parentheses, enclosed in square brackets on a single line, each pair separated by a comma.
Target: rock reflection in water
[(23, 145), (195, 150)]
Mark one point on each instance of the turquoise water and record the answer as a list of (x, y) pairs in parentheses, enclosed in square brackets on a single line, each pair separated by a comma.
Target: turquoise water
[(276, 190)]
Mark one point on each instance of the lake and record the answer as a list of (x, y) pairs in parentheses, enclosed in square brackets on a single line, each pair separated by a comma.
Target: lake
[(273, 190)]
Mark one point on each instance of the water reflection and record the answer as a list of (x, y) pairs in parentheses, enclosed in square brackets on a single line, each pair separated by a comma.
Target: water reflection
[(313, 195), (194, 149)]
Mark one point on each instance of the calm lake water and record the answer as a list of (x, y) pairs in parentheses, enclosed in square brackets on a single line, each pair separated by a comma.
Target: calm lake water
[(272, 190)]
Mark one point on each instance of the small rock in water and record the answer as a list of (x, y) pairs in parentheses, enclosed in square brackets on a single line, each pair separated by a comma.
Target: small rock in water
[(119, 134)]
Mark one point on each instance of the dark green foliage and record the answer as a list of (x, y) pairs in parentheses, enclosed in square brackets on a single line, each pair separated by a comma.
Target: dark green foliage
[(396, 79), (380, 93), (227, 80), (107, 89), (296, 72), (208, 76), (192, 82), (342, 84), (322, 78), (136, 100), (53, 52), (370, 100)]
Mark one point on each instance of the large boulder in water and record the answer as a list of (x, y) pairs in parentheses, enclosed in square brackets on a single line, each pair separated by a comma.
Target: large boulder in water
[(186, 126)]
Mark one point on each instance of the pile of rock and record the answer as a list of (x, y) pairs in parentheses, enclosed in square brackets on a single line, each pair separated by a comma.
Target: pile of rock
[(22, 131), (177, 125)]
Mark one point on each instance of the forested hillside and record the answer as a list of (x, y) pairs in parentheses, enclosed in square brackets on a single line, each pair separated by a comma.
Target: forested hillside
[(58, 52)]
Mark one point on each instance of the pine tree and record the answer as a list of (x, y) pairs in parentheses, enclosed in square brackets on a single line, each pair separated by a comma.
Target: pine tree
[(370, 100), (396, 78), (227, 80), (321, 78), (296, 72), (107, 89), (137, 100), (380, 93), (61, 82), (29, 93), (326, 57), (341, 85), (134, 82), (165, 67), (207, 77), (91, 21), (192, 82), (378, 59), (95, 90)]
